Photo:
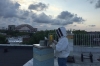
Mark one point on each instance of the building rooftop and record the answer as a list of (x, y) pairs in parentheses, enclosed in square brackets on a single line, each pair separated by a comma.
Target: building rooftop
[(20, 55), (78, 61), (16, 55), (15, 40), (76, 53)]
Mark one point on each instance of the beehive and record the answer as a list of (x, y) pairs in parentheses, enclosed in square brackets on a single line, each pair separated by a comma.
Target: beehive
[(43, 56)]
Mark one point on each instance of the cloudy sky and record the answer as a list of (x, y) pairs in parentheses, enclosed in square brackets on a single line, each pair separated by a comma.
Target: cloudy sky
[(51, 14)]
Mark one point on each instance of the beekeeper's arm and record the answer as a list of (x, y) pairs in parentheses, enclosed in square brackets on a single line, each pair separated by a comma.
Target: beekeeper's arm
[(61, 45), (53, 46)]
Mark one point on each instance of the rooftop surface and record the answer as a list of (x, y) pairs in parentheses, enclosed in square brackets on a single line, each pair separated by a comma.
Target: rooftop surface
[(76, 53), (78, 61), (20, 55), (16, 55)]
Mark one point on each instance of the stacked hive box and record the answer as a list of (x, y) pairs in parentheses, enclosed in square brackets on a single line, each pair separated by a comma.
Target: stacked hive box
[(43, 56)]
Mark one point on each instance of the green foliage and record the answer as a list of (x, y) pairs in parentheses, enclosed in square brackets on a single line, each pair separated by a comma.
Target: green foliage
[(79, 32), (34, 37), (80, 36), (84, 38), (39, 35), (3, 31), (3, 39), (16, 33)]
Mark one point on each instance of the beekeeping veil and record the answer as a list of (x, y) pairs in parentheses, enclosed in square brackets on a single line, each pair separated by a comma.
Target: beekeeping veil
[(61, 32)]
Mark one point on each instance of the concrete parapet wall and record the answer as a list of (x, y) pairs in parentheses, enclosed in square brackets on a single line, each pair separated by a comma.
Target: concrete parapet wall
[(16, 46)]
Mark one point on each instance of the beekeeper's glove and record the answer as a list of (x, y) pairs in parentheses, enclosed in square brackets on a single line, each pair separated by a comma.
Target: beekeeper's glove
[(53, 45), (54, 41)]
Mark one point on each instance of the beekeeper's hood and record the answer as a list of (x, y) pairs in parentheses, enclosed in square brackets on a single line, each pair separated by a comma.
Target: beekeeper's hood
[(61, 32)]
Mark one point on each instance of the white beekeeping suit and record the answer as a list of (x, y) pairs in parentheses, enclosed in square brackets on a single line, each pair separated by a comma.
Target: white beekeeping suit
[(61, 47)]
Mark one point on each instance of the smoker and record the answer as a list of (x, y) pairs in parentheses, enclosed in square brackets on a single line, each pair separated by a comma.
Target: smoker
[(47, 41)]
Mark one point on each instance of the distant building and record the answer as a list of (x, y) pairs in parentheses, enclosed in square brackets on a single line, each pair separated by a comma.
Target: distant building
[(69, 32), (3, 33), (15, 40), (11, 27), (26, 28), (22, 28), (93, 33)]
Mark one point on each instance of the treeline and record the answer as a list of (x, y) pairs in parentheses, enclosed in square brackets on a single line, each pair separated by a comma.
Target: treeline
[(3, 39), (14, 33), (79, 32), (8, 33), (34, 37)]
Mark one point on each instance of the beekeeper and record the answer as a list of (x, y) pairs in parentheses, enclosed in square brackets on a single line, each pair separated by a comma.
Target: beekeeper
[(61, 47)]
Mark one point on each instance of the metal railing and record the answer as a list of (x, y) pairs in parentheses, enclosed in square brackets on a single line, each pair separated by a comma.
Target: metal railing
[(89, 40)]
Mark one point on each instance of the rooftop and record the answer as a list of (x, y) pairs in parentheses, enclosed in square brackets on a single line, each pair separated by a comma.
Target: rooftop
[(16, 55), (78, 61), (22, 55)]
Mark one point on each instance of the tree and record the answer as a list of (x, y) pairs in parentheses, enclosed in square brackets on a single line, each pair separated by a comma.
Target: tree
[(80, 37), (3, 39), (39, 35)]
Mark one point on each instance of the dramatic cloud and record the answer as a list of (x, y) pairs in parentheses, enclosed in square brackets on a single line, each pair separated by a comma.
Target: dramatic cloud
[(8, 9), (98, 4), (65, 15), (38, 7), (11, 14), (92, 25), (67, 18), (64, 18), (22, 14), (74, 25), (42, 18)]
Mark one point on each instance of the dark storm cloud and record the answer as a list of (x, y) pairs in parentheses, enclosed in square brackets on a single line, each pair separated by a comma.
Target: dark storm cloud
[(11, 14), (98, 4), (65, 15), (92, 25), (42, 18), (64, 18), (68, 16), (8, 9), (38, 7), (23, 14)]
